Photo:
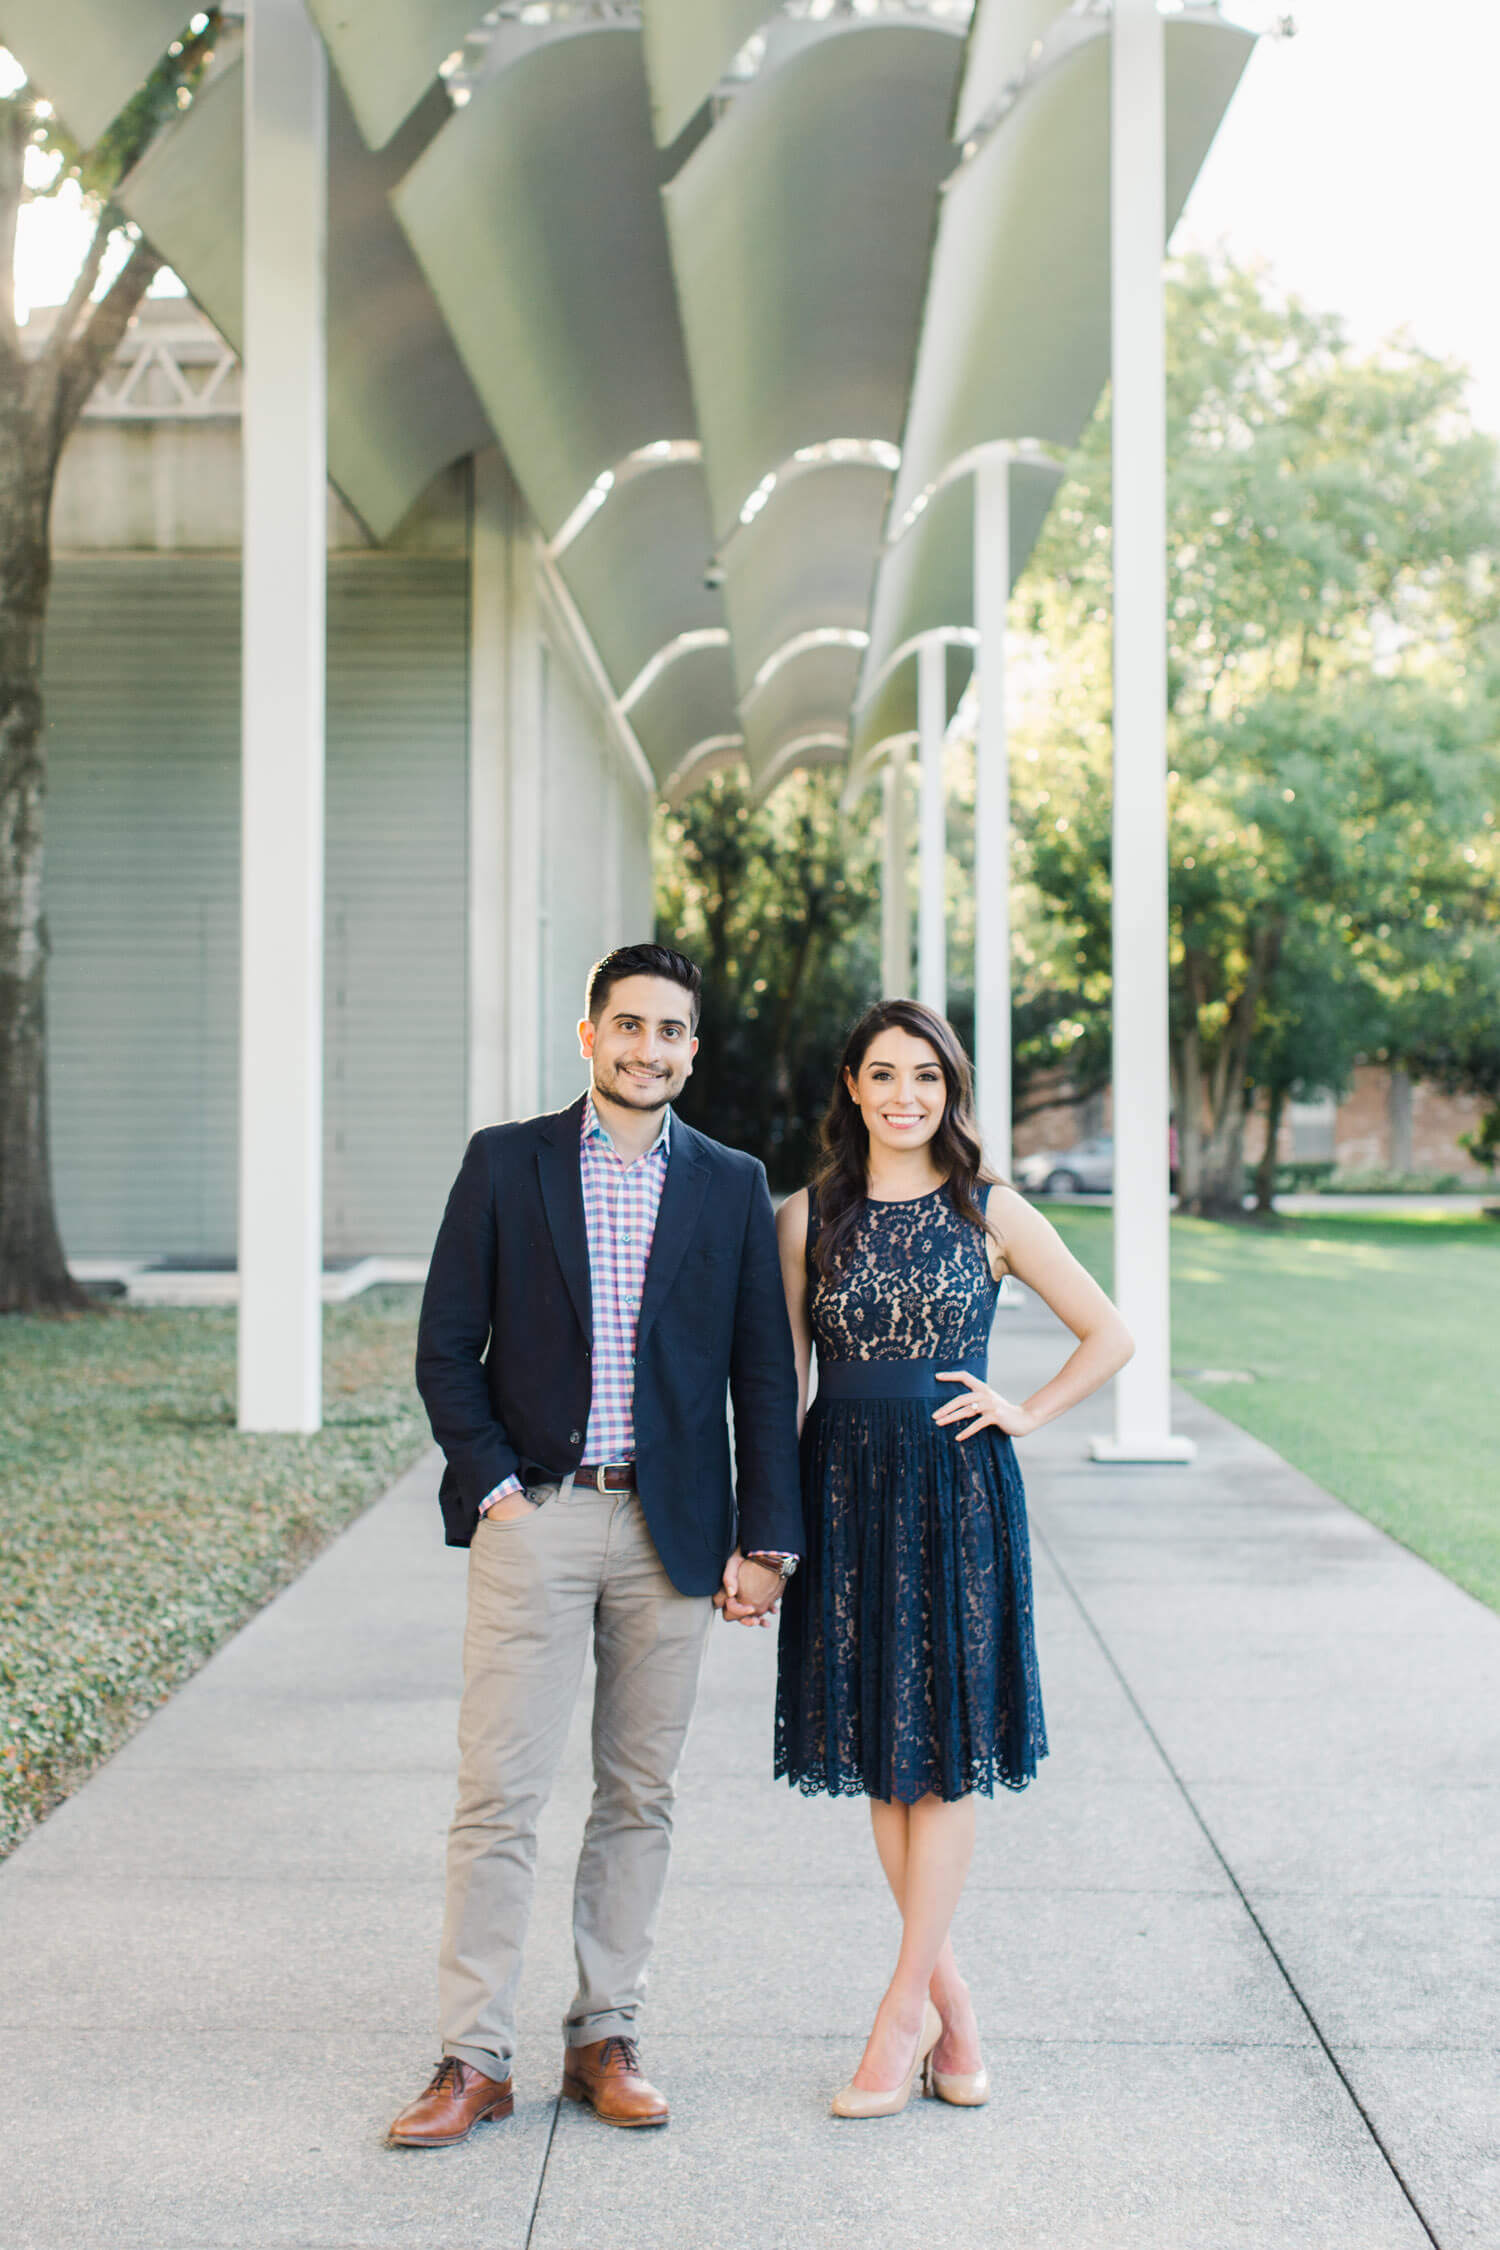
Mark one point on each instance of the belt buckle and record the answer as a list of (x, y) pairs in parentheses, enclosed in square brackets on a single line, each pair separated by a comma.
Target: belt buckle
[(606, 1469)]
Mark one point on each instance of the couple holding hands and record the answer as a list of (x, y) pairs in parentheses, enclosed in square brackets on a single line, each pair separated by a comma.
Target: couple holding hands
[(600, 1279)]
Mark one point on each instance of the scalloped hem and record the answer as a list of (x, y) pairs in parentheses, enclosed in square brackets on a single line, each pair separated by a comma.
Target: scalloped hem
[(982, 1782)]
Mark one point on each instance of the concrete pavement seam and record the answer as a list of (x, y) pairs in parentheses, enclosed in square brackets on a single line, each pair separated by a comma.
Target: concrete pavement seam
[(541, 2178), (1239, 1890)]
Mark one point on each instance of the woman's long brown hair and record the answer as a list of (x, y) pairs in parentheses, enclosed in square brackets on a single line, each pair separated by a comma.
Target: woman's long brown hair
[(843, 1179)]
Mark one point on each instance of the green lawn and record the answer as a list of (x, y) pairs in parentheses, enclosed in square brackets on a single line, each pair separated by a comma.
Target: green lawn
[(138, 1529), (1375, 1347)]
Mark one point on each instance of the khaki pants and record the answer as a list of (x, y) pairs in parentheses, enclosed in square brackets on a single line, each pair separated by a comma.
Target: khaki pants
[(539, 1585)]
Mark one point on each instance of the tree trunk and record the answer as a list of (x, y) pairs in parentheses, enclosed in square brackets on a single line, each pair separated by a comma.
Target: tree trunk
[(1265, 1171), (1221, 1191), (1221, 1187), (34, 1274), (1190, 1091), (42, 395)]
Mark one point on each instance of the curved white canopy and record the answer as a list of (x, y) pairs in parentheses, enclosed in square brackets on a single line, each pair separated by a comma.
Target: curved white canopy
[(1007, 38), (400, 406), (1015, 342), (800, 232), (387, 53), (807, 698), (890, 709), (536, 218), (807, 560), (88, 61), (691, 702), (638, 567), (926, 582), (1015, 337), (857, 251), (689, 45)]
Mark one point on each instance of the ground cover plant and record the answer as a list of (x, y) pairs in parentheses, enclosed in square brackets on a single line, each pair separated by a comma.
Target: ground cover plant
[(1372, 1344), (138, 1529)]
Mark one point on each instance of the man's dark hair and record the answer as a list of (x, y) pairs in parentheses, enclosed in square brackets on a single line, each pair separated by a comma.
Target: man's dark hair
[(642, 961)]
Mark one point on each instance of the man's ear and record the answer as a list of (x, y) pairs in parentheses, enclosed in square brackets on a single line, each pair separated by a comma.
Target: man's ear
[(586, 1039)]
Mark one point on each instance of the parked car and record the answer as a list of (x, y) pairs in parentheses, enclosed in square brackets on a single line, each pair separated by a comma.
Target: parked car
[(1086, 1168)]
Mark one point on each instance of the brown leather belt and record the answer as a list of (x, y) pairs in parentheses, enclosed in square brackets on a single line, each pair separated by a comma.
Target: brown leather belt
[(606, 1476)]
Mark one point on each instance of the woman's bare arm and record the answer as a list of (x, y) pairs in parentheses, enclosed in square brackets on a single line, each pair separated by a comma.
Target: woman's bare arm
[(1036, 1254), (791, 1238)]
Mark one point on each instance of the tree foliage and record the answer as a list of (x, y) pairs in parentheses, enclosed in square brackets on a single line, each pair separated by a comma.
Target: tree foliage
[(779, 905), (1333, 600)]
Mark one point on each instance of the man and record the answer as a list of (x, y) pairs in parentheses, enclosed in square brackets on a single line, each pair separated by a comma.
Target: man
[(623, 1270)]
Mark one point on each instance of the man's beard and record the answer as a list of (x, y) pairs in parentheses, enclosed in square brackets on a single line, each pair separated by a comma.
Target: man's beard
[(632, 1095)]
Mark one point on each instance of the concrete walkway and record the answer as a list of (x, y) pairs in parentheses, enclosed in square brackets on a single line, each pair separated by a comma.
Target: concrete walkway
[(1235, 1954)]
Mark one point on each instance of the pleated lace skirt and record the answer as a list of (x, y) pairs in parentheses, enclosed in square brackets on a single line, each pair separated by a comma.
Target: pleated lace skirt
[(907, 1653)]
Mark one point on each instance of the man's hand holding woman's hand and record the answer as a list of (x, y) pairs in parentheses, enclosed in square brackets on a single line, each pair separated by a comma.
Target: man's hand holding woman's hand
[(751, 1592)]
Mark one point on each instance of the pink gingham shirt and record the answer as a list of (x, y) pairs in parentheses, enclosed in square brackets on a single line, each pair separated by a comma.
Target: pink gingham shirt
[(620, 1206), (620, 1203)]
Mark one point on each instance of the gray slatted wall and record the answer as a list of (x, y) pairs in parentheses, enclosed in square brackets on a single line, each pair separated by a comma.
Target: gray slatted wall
[(395, 1025), (142, 883)]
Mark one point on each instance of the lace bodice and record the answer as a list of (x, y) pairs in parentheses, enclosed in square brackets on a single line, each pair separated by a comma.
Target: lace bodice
[(916, 1284)]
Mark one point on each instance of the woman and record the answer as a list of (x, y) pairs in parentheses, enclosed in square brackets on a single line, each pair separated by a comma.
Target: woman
[(907, 1666)]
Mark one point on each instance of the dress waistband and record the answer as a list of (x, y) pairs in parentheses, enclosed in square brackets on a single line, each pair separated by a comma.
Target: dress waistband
[(894, 1378)]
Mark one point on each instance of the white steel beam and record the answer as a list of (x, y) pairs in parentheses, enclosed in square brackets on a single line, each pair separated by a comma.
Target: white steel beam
[(1143, 1416), (489, 621), (895, 893), (992, 811), (284, 608), (932, 830), (523, 838)]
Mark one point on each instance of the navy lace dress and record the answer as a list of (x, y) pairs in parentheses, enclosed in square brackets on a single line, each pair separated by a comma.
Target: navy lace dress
[(907, 1656)]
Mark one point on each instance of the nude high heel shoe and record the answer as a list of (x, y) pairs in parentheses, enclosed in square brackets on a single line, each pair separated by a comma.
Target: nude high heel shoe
[(966, 2089), (855, 2101)]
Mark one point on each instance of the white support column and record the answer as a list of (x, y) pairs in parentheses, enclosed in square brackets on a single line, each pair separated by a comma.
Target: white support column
[(523, 846), (932, 830), (283, 425), (895, 894), (992, 811), (489, 603), (1143, 1418)]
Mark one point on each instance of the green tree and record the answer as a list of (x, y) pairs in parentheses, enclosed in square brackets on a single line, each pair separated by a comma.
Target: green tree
[(1059, 972), (779, 905), (1333, 519), (42, 393)]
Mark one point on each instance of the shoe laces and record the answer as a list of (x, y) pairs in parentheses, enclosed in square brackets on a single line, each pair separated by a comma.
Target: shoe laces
[(449, 2072), (625, 2049)]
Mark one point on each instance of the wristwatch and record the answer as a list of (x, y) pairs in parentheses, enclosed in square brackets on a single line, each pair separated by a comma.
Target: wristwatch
[(784, 1565)]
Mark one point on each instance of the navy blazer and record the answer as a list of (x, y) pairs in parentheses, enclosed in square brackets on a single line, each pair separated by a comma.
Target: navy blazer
[(507, 1330)]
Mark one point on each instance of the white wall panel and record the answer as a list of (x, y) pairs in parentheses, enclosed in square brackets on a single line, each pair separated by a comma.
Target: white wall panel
[(596, 882)]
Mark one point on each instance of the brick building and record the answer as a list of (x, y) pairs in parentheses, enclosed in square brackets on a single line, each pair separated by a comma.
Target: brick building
[(1386, 1123)]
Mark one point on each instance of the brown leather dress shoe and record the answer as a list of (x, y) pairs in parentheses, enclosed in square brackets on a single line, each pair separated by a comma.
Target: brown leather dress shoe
[(607, 2075), (449, 2108)]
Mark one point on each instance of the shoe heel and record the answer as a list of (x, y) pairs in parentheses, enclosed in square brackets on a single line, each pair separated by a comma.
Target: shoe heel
[(572, 2090), (497, 2110)]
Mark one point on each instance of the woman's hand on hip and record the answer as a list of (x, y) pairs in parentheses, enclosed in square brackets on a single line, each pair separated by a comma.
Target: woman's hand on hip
[(977, 1407)]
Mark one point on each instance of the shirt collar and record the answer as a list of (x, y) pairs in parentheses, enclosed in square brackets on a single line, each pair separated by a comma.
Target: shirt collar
[(594, 1128)]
